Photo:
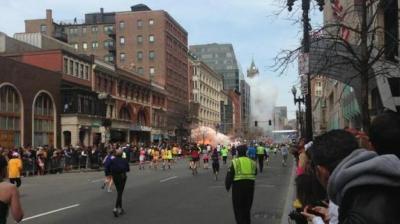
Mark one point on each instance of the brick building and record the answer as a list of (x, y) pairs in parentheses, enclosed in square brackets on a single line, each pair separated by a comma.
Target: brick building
[(29, 110), (147, 43)]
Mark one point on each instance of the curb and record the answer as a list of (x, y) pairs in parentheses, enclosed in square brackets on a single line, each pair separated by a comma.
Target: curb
[(289, 197)]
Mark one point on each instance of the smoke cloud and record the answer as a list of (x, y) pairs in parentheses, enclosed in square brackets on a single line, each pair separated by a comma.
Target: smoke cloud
[(208, 135), (263, 99)]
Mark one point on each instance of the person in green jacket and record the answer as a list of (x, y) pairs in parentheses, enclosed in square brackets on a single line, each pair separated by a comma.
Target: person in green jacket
[(260, 150), (241, 176), (224, 153)]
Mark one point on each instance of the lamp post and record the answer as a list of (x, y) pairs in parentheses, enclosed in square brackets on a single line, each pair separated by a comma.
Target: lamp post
[(305, 5), (298, 100)]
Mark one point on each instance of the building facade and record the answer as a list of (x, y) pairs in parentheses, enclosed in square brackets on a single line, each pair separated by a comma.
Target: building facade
[(220, 58), (206, 91), (29, 110), (146, 43), (338, 105), (245, 106), (280, 118), (100, 102)]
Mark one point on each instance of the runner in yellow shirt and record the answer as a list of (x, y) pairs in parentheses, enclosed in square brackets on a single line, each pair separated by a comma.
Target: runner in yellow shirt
[(15, 169)]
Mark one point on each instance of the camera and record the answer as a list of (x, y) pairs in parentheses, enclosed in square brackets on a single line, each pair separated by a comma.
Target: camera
[(297, 217)]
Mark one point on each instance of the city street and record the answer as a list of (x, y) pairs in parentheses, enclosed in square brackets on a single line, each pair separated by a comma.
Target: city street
[(172, 196)]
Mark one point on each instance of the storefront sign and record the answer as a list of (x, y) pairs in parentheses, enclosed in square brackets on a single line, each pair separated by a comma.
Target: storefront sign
[(139, 128)]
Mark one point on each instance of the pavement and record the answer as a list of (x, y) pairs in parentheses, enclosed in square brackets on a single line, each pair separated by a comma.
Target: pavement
[(153, 196)]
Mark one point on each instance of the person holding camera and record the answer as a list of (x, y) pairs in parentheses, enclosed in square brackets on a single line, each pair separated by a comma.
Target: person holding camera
[(365, 185)]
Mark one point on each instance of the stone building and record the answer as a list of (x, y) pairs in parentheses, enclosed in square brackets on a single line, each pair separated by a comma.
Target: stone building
[(206, 91)]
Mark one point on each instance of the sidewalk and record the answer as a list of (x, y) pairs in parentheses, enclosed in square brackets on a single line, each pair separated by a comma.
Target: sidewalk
[(291, 196)]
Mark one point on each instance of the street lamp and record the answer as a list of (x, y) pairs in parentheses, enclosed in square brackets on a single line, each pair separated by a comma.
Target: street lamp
[(305, 5), (298, 100)]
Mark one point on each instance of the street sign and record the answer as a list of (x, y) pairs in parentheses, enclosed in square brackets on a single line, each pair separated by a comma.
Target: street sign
[(304, 63)]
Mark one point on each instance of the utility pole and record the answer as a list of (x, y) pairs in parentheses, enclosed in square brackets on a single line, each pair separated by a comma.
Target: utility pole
[(305, 6)]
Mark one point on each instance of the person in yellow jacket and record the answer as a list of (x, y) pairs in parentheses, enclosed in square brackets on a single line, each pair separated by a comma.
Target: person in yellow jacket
[(241, 177), (169, 157), (15, 169)]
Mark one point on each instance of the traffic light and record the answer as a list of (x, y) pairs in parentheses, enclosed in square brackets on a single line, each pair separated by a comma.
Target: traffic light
[(255, 123), (269, 122)]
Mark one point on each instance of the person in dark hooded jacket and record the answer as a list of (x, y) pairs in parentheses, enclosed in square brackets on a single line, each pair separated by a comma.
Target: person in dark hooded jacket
[(365, 185)]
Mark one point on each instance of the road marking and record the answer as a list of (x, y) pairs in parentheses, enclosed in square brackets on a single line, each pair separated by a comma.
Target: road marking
[(50, 212), (167, 179)]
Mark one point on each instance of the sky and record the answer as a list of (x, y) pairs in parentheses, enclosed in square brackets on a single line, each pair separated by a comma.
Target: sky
[(252, 26)]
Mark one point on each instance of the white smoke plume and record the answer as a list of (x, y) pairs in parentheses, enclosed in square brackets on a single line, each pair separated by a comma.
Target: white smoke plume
[(263, 99)]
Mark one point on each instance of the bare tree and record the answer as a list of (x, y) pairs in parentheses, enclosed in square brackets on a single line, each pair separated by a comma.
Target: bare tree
[(350, 48)]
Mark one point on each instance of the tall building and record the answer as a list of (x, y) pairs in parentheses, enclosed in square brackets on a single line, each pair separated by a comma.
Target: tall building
[(280, 118), (253, 70), (206, 91), (220, 58), (245, 105), (148, 43)]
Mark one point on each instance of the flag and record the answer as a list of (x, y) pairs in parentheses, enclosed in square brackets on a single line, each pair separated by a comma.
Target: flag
[(339, 14)]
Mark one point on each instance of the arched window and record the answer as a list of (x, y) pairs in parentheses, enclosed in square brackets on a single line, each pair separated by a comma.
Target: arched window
[(141, 117), (10, 117), (124, 114), (43, 122)]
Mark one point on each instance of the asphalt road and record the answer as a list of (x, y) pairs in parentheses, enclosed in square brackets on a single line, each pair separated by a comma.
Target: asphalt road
[(169, 197)]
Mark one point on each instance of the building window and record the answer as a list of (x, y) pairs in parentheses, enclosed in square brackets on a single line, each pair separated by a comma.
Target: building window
[(84, 46), (109, 58), (108, 29), (10, 113), (43, 28), (152, 71), (152, 55), (139, 39), (139, 23), (86, 72), (65, 70), (122, 57), (95, 44), (43, 120), (121, 40), (140, 70), (76, 68), (151, 38), (71, 67), (76, 46), (95, 29), (84, 30), (151, 22), (139, 55), (108, 43), (394, 84), (121, 25)]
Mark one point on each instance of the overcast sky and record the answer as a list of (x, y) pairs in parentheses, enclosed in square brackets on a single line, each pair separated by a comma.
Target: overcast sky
[(250, 25)]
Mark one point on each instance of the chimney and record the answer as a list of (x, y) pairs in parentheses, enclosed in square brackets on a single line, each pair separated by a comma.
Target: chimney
[(49, 14), (101, 10)]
